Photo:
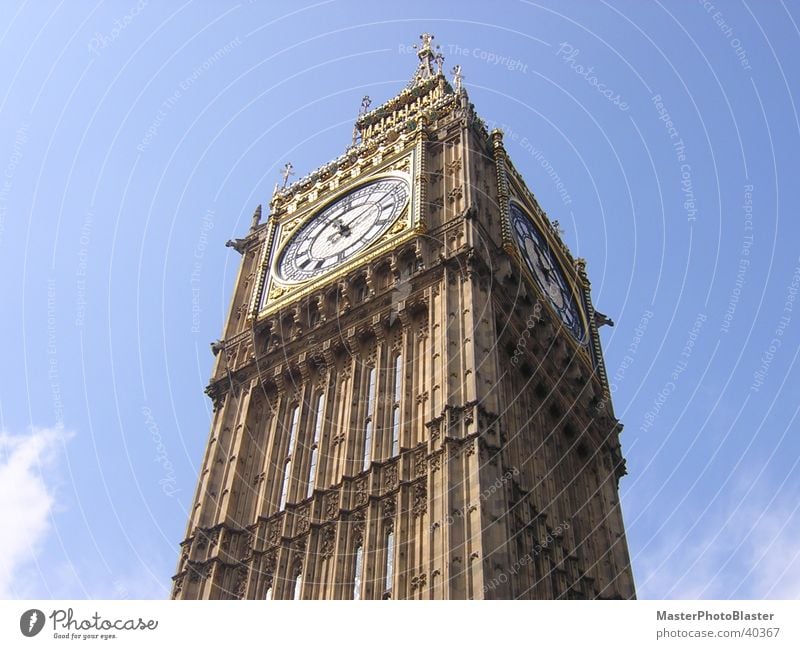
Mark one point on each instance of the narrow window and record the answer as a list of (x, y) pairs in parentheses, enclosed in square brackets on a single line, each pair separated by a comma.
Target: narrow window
[(269, 593), (389, 561), (358, 570), (312, 469), (398, 373), (361, 292), (287, 464), (298, 586), (407, 268), (313, 316), (368, 418)]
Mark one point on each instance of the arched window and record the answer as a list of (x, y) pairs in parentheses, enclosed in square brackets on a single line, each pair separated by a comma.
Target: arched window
[(298, 585), (287, 463), (312, 469), (358, 571), (398, 376), (369, 415), (268, 594)]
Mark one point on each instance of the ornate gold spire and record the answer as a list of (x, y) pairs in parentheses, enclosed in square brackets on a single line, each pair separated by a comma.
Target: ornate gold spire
[(427, 97), (429, 57)]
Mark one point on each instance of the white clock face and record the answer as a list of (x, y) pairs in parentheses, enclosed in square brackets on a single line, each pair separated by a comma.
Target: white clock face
[(545, 270), (343, 228)]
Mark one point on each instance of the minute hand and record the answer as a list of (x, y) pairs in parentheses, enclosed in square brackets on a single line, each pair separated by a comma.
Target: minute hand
[(364, 210)]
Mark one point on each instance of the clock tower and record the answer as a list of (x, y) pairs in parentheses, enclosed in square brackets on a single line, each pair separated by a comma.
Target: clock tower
[(409, 396)]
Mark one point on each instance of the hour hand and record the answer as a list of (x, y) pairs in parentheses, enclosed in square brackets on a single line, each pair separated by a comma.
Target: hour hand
[(342, 230)]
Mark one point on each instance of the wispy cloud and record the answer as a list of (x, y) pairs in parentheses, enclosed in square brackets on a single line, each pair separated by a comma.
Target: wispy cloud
[(27, 498), (745, 549)]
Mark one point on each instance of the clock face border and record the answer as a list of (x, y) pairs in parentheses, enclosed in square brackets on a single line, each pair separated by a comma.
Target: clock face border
[(309, 219), (577, 301), (270, 295)]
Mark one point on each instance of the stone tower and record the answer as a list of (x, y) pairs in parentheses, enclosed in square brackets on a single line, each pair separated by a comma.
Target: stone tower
[(409, 396)]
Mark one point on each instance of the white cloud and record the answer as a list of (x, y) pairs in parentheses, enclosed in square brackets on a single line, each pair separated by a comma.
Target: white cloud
[(26, 498), (775, 552), (746, 549)]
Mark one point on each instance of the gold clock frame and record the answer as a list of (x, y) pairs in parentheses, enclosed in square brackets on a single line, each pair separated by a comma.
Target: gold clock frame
[(272, 294)]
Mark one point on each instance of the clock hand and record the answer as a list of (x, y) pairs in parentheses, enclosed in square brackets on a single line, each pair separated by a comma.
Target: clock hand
[(342, 229), (359, 216)]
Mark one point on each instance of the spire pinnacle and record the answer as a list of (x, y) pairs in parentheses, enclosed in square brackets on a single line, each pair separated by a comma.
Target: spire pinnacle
[(458, 78), (429, 57), (363, 109)]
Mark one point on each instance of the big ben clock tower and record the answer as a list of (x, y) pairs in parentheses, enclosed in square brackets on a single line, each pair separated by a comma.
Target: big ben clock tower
[(409, 396)]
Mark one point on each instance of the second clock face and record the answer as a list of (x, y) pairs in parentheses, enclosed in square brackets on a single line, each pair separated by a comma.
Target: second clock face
[(545, 270), (342, 229)]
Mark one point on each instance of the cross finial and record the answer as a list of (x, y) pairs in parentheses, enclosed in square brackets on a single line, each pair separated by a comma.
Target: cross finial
[(365, 104), (427, 58), (288, 170), (362, 110), (425, 45), (457, 78)]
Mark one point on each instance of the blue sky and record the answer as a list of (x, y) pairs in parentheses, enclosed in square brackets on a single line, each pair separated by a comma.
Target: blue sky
[(137, 137)]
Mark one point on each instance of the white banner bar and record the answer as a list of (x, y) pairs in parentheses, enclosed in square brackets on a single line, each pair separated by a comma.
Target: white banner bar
[(399, 624)]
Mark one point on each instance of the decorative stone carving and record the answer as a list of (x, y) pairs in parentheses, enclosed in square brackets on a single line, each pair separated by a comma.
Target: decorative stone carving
[(270, 562), (276, 291), (274, 534), (241, 582), (455, 193), (420, 465), (332, 505), (420, 499), (361, 492), (390, 477), (217, 395), (303, 523), (454, 165), (358, 527), (389, 508), (328, 541)]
